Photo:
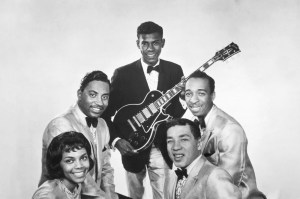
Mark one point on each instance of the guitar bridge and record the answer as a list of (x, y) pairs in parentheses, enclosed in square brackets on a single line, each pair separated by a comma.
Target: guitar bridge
[(132, 126)]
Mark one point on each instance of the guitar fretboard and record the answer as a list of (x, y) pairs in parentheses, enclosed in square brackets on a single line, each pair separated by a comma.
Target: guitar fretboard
[(170, 94), (157, 105)]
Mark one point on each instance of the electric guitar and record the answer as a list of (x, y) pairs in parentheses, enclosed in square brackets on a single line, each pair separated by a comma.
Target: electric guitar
[(140, 121)]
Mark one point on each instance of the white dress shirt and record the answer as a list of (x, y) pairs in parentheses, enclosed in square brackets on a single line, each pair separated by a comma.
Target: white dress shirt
[(152, 77)]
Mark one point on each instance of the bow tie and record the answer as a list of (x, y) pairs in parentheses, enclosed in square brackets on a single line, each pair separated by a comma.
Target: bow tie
[(151, 68), (91, 121), (200, 122), (180, 173)]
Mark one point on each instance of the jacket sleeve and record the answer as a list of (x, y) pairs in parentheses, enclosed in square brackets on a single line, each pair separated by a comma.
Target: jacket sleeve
[(176, 108), (113, 105), (220, 185), (232, 148), (107, 175)]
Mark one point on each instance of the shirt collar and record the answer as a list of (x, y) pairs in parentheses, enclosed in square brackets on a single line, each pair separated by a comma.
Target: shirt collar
[(206, 117), (145, 66), (190, 167), (80, 114), (209, 114)]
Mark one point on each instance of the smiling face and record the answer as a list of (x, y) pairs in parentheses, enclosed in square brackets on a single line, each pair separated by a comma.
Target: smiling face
[(198, 96), (75, 166), (93, 100), (182, 146), (150, 46)]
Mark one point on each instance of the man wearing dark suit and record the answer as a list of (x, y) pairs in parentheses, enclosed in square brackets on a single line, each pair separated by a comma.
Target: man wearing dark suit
[(195, 176), (130, 84), (227, 145)]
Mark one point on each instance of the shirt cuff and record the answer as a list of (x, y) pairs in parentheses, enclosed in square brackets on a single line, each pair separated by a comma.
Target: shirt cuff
[(114, 142)]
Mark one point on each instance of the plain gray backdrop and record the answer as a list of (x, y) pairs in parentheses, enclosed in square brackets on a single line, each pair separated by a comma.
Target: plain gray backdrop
[(46, 47)]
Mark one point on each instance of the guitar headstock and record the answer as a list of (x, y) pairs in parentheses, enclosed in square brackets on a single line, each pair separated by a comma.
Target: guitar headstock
[(227, 52)]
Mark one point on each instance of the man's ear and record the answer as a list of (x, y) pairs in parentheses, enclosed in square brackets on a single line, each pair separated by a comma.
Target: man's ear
[(163, 41), (79, 94), (213, 96), (138, 43), (199, 144)]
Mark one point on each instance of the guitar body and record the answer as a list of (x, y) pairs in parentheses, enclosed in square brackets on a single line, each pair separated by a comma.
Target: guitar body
[(139, 122), (141, 134)]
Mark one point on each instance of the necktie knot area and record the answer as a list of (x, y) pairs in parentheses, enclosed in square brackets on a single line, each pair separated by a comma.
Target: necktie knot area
[(91, 121), (151, 68), (180, 173), (200, 122)]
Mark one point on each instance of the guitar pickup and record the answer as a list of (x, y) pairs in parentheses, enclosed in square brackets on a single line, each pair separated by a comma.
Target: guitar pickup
[(132, 126), (136, 121), (152, 108), (140, 117), (147, 113)]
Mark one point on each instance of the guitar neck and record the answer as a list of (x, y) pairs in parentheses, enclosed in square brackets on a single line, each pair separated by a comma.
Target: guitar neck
[(171, 93), (201, 68), (223, 54)]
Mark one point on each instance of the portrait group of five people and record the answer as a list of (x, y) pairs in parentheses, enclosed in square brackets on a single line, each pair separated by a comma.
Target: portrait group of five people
[(200, 157)]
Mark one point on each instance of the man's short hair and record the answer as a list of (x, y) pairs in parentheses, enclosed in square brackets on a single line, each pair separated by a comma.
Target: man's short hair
[(95, 75), (203, 75), (148, 28), (195, 130), (65, 142)]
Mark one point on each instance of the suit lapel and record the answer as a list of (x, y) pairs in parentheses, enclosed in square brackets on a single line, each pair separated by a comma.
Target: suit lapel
[(172, 186), (79, 126), (140, 77), (84, 129), (192, 178), (161, 86), (210, 132), (210, 121)]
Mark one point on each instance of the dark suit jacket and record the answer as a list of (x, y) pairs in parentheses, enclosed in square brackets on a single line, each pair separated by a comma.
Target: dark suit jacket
[(129, 86), (205, 181)]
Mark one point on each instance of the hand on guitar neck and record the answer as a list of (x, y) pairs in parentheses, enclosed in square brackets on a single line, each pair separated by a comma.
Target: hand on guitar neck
[(125, 148)]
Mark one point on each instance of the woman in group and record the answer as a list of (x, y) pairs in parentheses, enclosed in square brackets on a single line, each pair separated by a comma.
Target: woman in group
[(68, 161)]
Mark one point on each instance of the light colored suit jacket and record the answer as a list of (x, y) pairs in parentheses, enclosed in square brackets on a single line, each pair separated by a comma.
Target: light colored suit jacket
[(205, 181), (227, 148), (53, 189), (74, 120)]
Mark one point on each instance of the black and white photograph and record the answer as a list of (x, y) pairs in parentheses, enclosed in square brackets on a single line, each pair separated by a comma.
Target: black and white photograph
[(162, 99)]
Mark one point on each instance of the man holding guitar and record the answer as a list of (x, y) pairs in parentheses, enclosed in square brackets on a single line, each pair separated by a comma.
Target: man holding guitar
[(130, 85)]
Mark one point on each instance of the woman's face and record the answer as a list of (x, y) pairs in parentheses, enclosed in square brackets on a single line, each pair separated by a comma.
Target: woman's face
[(75, 165)]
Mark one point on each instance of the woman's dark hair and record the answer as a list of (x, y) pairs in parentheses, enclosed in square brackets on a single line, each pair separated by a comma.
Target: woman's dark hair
[(65, 142)]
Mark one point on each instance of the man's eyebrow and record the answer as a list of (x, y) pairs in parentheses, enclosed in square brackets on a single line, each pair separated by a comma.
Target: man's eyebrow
[(92, 91), (184, 135), (84, 154), (68, 157), (104, 94)]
